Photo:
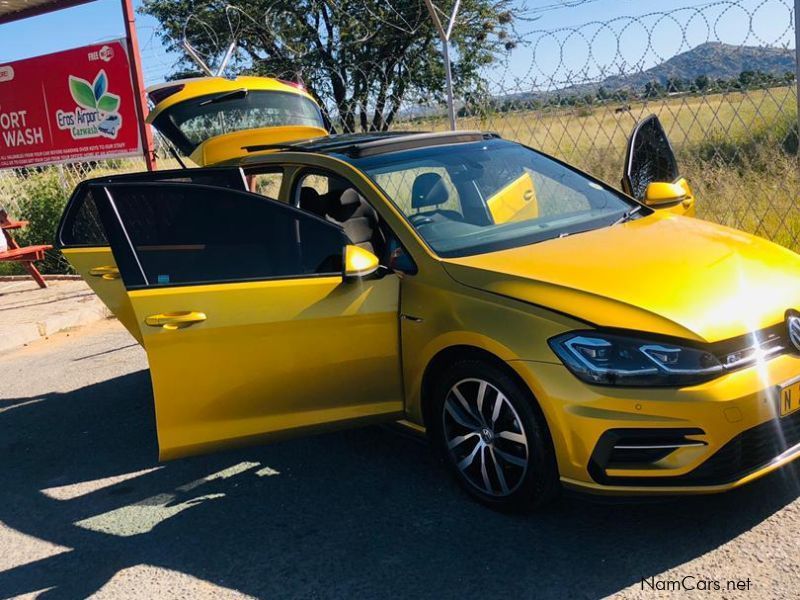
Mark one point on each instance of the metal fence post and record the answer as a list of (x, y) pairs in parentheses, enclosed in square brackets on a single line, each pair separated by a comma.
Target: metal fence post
[(444, 35)]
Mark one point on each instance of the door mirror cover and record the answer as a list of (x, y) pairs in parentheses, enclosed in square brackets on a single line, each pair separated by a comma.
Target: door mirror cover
[(359, 262), (659, 193)]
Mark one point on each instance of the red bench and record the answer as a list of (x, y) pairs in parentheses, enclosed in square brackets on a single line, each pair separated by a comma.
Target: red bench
[(26, 255)]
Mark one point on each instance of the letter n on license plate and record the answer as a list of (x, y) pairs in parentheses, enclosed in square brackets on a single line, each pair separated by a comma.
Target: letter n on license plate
[(789, 398)]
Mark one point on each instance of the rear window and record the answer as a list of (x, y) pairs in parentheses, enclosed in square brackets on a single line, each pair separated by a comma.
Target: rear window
[(192, 122)]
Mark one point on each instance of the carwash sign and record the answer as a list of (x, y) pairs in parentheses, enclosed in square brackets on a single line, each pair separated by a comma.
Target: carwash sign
[(67, 107)]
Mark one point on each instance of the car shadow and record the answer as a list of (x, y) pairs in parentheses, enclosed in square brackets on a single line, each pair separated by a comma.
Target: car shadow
[(359, 513)]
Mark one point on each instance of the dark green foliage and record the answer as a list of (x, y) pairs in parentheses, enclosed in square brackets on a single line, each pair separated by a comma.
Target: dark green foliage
[(360, 58), (41, 201)]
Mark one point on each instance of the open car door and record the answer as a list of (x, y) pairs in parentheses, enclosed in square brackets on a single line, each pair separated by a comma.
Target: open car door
[(250, 327), (82, 239), (651, 170)]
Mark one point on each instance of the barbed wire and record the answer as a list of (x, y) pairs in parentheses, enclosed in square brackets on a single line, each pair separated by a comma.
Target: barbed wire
[(719, 74)]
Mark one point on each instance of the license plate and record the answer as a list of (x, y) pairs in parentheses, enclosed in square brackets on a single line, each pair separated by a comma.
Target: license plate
[(789, 398)]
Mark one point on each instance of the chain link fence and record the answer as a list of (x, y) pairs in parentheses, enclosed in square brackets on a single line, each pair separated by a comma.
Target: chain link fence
[(720, 75)]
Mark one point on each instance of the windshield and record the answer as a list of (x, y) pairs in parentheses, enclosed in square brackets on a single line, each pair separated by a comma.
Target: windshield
[(192, 122), (491, 195)]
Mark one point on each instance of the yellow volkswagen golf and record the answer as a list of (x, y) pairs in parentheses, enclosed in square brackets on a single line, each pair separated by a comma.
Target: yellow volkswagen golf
[(545, 329)]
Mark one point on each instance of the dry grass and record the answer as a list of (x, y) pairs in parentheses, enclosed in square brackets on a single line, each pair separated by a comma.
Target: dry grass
[(738, 150)]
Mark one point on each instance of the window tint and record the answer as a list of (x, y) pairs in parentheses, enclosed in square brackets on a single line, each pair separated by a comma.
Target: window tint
[(82, 226), (183, 234)]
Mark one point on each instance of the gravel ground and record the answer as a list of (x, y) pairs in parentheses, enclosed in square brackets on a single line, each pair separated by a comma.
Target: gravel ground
[(85, 509)]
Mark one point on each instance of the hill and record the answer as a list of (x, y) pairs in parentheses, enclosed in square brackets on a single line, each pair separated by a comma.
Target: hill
[(715, 60)]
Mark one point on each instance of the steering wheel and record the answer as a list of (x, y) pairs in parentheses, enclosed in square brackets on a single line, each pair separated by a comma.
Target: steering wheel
[(425, 218), (420, 219)]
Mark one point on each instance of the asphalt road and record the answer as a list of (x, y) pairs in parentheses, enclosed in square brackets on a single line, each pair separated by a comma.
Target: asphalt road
[(86, 509)]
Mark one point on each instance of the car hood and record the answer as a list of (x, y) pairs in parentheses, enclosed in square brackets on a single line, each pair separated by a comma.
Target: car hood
[(662, 273)]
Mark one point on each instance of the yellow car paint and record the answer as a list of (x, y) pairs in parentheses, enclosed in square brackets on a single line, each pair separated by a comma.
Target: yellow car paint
[(233, 145), (659, 193), (515, 202), (359, 262), (676, 198), (268, 357), (295, 355), (579, 414), (709, 289), (111, 291)]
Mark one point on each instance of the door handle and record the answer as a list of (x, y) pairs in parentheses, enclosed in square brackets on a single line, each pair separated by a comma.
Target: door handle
[(108, 273), (175, 320)]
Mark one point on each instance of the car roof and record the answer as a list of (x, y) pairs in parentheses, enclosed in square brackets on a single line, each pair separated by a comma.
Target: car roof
[(360, 145)]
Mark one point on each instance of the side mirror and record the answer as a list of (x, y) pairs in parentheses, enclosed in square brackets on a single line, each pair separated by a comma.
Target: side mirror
[(359, 263), (659, 193)]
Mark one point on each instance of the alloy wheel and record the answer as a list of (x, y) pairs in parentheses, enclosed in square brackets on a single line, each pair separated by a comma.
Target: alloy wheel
[(484, 435)]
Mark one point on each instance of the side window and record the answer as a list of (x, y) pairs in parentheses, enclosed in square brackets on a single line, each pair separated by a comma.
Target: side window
[(81, 226), (267, 183), (319, 193), (188, 234)]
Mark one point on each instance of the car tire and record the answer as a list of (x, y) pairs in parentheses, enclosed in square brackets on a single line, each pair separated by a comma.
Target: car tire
[(501, 453)]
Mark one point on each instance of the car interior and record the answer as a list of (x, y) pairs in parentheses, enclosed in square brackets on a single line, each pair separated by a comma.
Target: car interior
[(341, 204)]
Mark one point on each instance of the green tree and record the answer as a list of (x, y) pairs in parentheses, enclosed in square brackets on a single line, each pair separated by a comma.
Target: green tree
[(702, 82), (653, 89), (360, 58)]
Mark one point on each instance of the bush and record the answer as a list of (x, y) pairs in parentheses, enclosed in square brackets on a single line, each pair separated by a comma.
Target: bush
[(40, 199)]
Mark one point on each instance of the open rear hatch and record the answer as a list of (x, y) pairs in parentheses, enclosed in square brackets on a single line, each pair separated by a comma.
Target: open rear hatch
[(213, 119)]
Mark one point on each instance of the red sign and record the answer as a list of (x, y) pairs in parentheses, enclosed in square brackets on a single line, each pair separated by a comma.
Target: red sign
[(67, 107)]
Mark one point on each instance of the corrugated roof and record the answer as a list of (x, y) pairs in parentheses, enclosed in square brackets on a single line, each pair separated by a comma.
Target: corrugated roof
[(14, 10)]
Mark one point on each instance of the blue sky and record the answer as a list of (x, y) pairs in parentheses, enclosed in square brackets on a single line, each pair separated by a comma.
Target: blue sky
[(102, 20)]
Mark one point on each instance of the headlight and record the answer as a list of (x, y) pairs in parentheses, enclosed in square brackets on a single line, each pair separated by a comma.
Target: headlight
[(610, 359)]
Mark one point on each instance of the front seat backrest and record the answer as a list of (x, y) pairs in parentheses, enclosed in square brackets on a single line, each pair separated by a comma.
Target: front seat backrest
[(311, 201), (357, 218), (428, 190)]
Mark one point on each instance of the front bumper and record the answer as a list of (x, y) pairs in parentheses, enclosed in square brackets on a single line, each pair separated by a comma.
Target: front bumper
[(732, 422)]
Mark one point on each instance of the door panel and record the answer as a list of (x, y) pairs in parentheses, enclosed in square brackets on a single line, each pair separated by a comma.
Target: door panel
[(650, 158), (83, 240), (109, 289), (271, 356), (253, 330), (515, 202)]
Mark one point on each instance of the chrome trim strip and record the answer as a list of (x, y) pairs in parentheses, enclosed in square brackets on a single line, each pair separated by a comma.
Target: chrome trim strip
[(659, 446)]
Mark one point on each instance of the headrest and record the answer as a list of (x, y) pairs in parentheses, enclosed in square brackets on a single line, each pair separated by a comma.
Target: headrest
[(349, 196), (308, 194), (311, 201), (428, 190)]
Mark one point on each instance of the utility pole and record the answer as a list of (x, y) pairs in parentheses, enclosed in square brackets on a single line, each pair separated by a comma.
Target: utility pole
[(444, 36)]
